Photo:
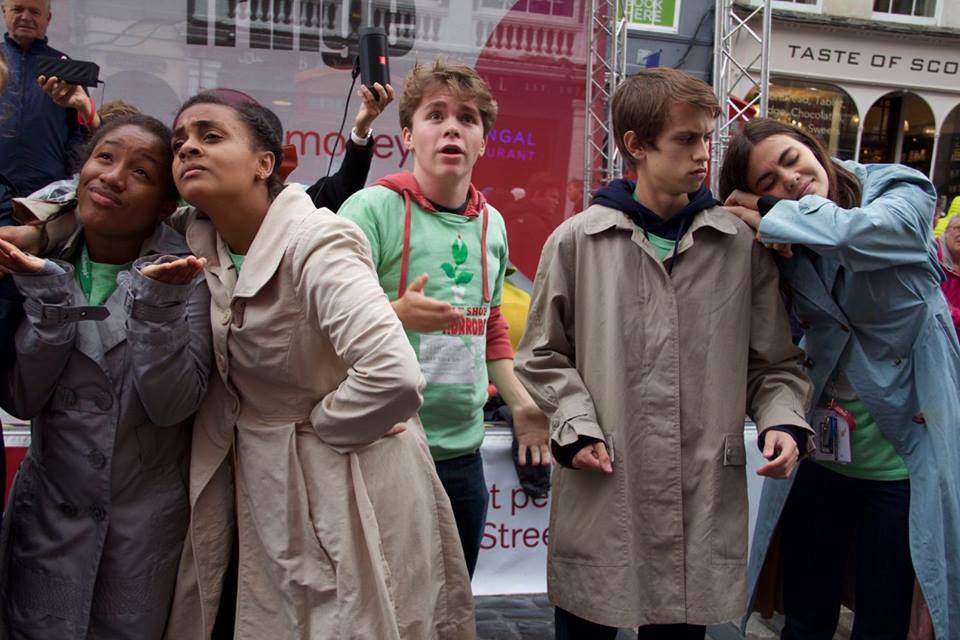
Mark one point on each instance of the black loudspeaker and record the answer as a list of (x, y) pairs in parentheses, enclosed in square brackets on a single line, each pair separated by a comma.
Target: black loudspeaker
[(73, 71), (374, 61)]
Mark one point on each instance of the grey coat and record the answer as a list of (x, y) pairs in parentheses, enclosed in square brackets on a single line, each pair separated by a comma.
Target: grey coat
[(99, 509)]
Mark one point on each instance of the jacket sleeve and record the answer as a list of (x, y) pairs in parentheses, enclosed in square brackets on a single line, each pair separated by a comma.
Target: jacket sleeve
[(168, 331), (332, 191), (44, 343), (343, 299), (893, 229), (778, 392), (546, 357)]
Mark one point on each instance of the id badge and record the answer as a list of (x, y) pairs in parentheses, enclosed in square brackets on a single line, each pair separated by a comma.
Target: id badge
[(832, 426)]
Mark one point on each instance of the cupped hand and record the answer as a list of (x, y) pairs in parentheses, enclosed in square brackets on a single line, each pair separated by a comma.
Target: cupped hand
[(593, 457), (532, 429), (26, 237), (179, 271), (419, 313), (13, 260)]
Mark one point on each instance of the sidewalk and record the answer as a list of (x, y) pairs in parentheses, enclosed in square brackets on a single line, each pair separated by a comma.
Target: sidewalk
[(530, 617)]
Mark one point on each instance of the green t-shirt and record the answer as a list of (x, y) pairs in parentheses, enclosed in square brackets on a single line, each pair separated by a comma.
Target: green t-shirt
[(236, 259), (874, 458), (97, 280), (661, 246), (446, 246)]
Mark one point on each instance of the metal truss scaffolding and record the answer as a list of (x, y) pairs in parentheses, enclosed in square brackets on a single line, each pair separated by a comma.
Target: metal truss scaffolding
[(606, 67), (731, 74)]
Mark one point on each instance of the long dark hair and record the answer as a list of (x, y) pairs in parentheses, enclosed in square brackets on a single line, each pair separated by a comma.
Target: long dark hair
[(844, 187), (263, 132)]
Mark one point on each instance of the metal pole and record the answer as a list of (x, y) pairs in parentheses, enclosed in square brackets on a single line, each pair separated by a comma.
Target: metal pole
[(765, 58), (588, 106)]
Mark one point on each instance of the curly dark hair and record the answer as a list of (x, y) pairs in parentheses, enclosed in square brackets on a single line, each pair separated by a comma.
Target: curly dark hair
[(149, 125), (261, 127)]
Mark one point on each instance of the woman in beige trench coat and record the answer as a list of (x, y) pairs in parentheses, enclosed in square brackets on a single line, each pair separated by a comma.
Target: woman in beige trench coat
[(344, 529)]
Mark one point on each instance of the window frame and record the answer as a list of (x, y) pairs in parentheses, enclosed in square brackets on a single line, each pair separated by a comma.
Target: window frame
[(889, 16), (791, 5)]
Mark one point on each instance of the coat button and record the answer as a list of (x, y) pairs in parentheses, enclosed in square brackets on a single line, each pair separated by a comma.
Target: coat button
[(225, 318), (98, 513), (807, 363), (96, 459), (104, 400), (221, 362), (68, 509)]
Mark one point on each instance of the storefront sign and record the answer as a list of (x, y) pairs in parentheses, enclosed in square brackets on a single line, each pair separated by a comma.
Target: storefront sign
[(657, 15), (856, 57)]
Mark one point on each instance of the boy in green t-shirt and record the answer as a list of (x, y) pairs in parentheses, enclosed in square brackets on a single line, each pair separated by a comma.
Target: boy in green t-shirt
[(441, 252)]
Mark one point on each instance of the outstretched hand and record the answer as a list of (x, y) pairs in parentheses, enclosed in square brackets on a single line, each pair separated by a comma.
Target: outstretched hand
[(26, 237), (179, 271), (419, 313), (371, 105), (13, 260)]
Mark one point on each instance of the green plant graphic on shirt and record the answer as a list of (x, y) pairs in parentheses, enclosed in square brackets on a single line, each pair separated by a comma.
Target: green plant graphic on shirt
[(458, 275)]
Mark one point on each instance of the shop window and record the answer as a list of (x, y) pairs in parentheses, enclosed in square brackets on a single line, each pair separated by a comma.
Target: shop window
[(824, 110), (921, 10), (899, 127), (946, 174)]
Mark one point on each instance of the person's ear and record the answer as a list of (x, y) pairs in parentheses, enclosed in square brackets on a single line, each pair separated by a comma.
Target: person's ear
[(632, 143), (265, 163), (407, 135)]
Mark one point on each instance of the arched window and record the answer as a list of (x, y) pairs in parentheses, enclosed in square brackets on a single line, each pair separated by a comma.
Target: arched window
[(946, 177), (899, 127), (825, 110)]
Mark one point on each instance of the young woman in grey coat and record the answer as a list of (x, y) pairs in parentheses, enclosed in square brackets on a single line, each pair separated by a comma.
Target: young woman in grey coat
[(112, 361)]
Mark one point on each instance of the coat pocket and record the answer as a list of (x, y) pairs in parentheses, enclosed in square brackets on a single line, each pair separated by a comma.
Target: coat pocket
[(730, 507), (589, 518)]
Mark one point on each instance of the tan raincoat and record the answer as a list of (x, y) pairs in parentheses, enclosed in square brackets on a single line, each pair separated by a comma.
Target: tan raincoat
[(662, 369), (343, 533)]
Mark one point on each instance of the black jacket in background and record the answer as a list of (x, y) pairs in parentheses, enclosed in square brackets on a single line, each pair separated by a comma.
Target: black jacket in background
[(11, 309), (332, 191)]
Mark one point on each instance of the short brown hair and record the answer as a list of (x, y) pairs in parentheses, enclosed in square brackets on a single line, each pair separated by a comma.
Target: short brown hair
[(843, 186), (117, 108), (463, 82), (642, 104)]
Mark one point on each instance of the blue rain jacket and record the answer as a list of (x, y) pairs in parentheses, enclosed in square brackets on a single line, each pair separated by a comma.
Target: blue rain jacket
[(867, 283)]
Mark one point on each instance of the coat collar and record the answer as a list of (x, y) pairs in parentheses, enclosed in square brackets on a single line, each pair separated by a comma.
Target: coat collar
[(604, 218), (277, 230)]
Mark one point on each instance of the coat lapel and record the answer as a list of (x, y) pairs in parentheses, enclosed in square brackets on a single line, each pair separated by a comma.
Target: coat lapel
[(276, 231)]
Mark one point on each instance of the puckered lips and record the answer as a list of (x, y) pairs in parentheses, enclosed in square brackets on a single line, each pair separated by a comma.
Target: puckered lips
[(104, 196)]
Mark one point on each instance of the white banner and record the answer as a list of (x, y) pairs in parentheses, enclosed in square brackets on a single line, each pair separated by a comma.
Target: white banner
[(513, 555)]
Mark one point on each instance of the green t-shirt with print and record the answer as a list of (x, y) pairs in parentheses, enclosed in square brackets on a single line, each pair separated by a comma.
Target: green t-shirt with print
[(445, 246), (97, 280)]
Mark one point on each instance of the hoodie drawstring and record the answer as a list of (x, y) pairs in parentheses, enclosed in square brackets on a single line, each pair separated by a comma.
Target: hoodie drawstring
[(405, 254)]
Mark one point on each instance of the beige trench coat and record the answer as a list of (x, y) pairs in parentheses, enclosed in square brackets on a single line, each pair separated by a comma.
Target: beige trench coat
[(661, 368), (343, 533)]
